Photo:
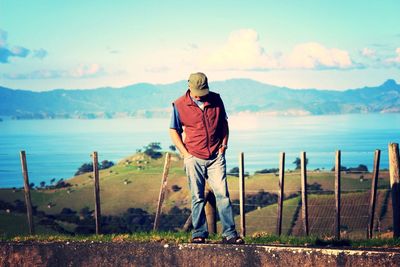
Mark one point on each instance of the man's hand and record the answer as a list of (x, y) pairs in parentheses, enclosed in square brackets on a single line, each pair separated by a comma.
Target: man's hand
[(177, 140), (221, 150), (186, 154)]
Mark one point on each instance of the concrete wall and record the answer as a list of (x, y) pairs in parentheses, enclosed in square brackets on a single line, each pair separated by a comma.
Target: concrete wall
[(157, 254)]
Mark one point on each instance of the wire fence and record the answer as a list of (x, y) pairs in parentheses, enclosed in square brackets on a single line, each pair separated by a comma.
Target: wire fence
[(129, 193)]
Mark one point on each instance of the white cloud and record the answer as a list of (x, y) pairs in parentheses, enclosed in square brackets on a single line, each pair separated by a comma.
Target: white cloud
[(395, 60), (315, 56), (8, 51), (40, 53), (82, 71), (157, 69), (368, 52), (242, 51)]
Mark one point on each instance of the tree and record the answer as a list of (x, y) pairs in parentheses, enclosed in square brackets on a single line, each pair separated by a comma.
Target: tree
[(61, 183), (272, 170), (360, 168), (42, 184), (85, 213), (153, 150), (234, 170), (172, 148), (176, 188), (86, 167), (105, 164), (297, 162), (68, 215), (342, 168)]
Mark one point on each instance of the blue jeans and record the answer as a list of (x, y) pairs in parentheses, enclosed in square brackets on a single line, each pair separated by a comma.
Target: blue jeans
[(214, 171)]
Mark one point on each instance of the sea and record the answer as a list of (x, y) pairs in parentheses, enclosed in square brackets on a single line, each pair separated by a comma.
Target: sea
[(55, 149)]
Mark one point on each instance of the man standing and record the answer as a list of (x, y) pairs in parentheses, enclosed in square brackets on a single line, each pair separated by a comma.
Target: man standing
[(199, 129)]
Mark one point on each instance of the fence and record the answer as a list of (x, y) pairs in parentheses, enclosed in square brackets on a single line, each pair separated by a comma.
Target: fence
[(318, 213)]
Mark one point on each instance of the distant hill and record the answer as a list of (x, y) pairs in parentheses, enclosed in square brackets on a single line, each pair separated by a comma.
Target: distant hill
[(154, 100)]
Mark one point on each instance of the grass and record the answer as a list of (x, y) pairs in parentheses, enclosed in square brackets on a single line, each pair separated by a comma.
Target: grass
[(181, 238), (135, 182), (269, 182), (264, 219), (354, 215), (16, 224), (121, 187)]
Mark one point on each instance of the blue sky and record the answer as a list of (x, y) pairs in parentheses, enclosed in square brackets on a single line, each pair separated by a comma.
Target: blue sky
[(47, 44)]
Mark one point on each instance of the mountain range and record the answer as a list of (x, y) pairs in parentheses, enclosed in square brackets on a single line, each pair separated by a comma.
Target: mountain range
[(154, 100)]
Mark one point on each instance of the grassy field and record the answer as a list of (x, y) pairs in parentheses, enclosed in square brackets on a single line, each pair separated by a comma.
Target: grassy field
[(321, 212), (354, 215), (16, 224), (179, 238), (135, 182), (263, 220)]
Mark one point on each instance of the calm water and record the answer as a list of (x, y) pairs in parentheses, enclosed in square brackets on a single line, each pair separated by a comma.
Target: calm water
[(56, 148)]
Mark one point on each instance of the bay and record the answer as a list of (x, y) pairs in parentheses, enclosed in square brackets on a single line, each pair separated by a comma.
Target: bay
[(57, 148)]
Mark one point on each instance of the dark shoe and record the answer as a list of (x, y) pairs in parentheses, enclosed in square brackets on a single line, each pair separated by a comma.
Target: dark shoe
[(233, 240), (198, 240)]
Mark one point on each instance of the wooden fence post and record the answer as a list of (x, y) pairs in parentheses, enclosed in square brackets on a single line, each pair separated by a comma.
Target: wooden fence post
[(97, 209), (210, 210), (337, 193), (162, 190), (188, 224), (242, 194), (28, 201), (372, 201), (280, 193), (304, 205), (394, 166)]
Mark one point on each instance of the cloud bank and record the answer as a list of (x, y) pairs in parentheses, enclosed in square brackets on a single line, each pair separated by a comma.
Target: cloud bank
[(243, 51), (8, 51), (316, 56), (395, 60), (81, 71)]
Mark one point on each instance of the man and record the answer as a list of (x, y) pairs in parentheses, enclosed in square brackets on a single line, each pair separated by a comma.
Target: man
[(199, 129)]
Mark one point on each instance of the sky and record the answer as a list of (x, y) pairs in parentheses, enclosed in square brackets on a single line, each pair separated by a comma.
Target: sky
[(47, 44)]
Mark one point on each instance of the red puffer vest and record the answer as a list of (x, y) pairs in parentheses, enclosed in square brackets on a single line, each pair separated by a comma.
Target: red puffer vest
[(203, 129)]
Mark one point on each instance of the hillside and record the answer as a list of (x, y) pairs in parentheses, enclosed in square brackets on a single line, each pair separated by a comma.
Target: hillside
[(153, 100), (131, 187)]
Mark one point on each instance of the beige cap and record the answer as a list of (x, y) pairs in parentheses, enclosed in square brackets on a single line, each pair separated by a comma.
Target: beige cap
[(198, 84)]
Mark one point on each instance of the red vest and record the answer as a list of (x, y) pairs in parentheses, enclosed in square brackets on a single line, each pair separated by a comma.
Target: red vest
[(203, 129)]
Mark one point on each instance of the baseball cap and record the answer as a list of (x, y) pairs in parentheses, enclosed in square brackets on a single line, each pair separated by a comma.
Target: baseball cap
[(198, 84)]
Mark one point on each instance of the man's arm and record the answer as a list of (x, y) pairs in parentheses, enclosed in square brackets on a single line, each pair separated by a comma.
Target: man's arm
[(175, 131), (177, 140), (225, 138)]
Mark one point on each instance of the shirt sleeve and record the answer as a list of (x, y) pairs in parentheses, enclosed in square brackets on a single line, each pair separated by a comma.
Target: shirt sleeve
[(175, 121)]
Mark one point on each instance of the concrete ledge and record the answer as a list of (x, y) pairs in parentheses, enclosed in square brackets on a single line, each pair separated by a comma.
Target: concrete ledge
[(157, 254)]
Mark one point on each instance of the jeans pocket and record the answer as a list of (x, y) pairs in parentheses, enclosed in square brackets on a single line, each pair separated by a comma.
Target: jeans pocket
[(187, 158), (185, 161)]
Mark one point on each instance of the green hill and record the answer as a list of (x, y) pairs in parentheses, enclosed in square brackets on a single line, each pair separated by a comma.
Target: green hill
[(135, 181)]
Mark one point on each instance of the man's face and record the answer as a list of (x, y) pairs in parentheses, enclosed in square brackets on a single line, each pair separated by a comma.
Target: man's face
[(198, 98)]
